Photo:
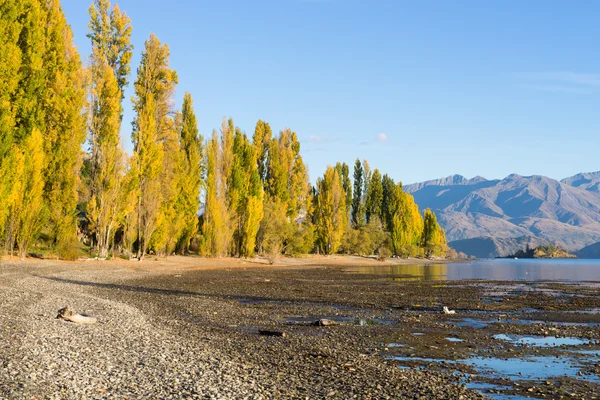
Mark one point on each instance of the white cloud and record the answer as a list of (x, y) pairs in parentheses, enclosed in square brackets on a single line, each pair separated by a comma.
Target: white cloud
[(382, 137), (318, 139)]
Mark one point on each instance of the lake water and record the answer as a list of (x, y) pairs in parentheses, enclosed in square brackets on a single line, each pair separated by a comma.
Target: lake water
[(577, 270)]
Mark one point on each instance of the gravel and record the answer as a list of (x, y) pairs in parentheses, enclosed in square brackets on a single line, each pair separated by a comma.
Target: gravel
[(176, 342)]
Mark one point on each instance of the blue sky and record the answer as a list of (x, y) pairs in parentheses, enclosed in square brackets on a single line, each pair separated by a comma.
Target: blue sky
[(421, 89)]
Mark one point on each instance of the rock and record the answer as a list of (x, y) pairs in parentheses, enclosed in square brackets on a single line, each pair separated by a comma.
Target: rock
[(323, 322)]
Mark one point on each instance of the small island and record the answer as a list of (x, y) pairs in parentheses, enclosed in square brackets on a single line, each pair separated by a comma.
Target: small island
[(548, 251)]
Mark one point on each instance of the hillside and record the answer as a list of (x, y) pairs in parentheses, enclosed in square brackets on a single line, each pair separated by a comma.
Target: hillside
[(589, 181), (566, 213), (591, 251), (490, 247)]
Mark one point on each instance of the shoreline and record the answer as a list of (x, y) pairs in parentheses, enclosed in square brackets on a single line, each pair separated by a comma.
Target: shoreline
[(192, 330)]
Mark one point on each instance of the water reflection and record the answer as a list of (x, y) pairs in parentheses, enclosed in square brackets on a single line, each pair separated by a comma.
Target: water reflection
[(500, 269)]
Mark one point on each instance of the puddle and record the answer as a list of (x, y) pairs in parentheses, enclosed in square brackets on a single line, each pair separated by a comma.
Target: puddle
[(528, 368), (418, 334), (454, 339), (542, 341), (395, 345), (339, 319), (472, 323)]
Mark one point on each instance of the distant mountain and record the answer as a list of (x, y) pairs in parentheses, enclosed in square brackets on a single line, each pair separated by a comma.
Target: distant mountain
[(589, 181), (591, 251), (516, 206), (490, 247)]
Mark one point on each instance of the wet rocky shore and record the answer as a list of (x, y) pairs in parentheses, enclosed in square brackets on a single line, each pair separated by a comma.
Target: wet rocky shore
[(182, 332)]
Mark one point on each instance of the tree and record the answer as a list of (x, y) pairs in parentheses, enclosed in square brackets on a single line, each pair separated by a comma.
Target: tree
[(246, 195), (330, 212), (388, 187), (65, 130), (110, 32), (191, 174), (407, 223), (433, 238), (108, 165), (374, 196), (216, 227), (29, 206), (344, 173), (358, 207), (261, 139), (156, 149)]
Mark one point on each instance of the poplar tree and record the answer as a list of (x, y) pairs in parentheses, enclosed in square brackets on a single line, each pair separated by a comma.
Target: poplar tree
[(246, 195), (407, 223), (330, 212), (261, 139), (156, 149), (191, 171), (433, 238), (374, 196), (358, 209), (110, 32), (22, 118), (147, 158), (388, 187), (29, 211), (216, 229), (344, 173), (65, 129), (108, 165), (10, 67)]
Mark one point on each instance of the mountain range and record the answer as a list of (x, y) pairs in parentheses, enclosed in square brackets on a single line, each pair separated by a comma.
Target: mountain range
[(514, 209)]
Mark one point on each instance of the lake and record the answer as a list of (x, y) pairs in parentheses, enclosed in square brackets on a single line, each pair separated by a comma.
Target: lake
[(576, 270)]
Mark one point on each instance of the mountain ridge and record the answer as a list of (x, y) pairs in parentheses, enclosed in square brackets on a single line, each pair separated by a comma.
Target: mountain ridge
[(565, 212)]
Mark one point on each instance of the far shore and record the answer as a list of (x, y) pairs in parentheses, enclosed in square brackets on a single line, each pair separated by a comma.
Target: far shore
[(192, 263)]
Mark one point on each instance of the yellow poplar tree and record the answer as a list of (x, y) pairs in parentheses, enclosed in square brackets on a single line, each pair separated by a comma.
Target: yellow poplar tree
[(65, 129), (30, 215), (216, 227), (107, 178), (330, 212)]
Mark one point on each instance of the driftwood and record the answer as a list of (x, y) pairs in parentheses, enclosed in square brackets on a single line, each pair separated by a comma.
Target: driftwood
[(271, 333), (68, 315)]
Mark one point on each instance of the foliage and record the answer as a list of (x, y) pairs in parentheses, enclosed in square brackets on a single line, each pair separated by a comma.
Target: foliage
[(330, 213)]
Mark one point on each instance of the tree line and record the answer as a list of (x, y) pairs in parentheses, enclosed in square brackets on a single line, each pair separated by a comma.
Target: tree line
[(230, 194)]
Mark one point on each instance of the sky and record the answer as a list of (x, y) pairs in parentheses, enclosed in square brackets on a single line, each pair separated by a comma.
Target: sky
[(421, 89)]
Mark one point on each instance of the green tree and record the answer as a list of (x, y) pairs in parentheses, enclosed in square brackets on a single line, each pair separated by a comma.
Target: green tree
[(246, 195), (374, 196), (191, 176), (358, 207), (388, 187)]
